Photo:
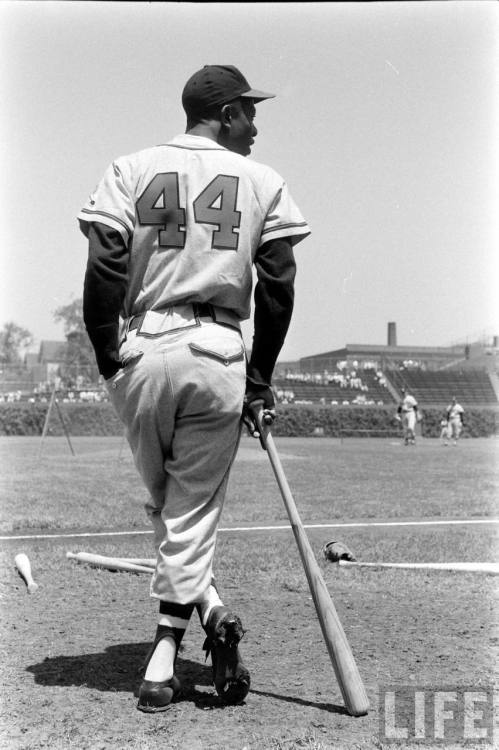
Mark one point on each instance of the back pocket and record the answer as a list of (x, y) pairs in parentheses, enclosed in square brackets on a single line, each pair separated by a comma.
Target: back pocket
[(225, 351)]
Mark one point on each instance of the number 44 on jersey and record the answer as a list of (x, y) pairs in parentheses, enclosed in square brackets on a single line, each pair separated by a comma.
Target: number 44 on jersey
[(159, 205)]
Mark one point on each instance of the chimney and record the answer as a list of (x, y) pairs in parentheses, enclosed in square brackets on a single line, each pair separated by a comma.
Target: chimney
[(392, 334)]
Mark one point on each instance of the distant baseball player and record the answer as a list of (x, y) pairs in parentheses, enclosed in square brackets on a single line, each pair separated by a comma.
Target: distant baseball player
[(455, 418), (444, 430), (409, 415), (174, 232)]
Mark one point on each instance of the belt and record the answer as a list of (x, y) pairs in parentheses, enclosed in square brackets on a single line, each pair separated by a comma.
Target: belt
[(201, 311)]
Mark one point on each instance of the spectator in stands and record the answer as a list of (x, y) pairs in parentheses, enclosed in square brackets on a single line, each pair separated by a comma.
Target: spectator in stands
[(455, 417), (408, 413)]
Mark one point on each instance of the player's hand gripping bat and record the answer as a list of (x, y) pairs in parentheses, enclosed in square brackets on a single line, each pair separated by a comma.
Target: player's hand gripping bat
[(347, 674)]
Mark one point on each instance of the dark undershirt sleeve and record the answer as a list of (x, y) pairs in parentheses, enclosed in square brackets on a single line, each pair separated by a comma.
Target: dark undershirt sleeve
[(274, 299), (104, 289)]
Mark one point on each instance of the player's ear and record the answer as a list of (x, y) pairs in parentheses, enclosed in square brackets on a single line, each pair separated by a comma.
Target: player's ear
[(226, 115)]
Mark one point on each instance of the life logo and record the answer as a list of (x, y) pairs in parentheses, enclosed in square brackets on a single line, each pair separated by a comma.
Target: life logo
[(430, 716)]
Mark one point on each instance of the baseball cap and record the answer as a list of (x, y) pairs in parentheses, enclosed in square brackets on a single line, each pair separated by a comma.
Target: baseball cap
[(214, 85)]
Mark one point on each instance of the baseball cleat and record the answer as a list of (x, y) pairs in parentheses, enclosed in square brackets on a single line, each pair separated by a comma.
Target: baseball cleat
[(157, 696), (224, 630)]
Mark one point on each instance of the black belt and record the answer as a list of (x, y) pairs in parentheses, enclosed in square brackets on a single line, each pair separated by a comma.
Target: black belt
[(200, 310)]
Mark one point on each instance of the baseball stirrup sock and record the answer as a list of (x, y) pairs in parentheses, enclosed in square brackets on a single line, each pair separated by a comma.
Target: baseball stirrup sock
[(211, 599), (172, 623)]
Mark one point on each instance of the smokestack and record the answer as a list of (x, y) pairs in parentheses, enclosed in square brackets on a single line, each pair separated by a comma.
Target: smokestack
[(495, 342), (392, 334)]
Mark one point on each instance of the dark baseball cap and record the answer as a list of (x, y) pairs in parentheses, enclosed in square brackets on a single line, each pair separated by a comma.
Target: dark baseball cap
[(215, 85)]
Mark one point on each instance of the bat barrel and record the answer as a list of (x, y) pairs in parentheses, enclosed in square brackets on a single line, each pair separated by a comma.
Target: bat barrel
[(340, 653), (109, 563)]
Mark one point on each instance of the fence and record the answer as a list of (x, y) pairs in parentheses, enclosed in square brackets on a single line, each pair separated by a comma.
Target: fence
[(24, 418)]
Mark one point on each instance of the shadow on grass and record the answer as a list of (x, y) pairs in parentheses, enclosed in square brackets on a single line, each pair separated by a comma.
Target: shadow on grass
[(117, 670), (333, 708)]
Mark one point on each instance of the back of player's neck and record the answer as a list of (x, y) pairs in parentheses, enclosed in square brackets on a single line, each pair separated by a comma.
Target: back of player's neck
[(204, 130)]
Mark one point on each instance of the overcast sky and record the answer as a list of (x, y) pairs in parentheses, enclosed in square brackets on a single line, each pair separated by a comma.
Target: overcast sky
[(384, 126)]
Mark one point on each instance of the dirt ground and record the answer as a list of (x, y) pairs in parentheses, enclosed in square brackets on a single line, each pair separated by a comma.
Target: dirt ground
[(70, 652)]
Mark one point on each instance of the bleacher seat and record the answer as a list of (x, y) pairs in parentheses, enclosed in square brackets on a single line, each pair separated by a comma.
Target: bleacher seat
[(315, 392), (471, 386)]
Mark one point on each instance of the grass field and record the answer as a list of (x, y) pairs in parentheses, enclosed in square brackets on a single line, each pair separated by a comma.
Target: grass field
[(70, 652)]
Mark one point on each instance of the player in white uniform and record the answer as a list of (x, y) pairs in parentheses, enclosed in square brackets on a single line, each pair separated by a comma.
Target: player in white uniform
[(455, 418), (174, 232), (444, 430), (409, 414)]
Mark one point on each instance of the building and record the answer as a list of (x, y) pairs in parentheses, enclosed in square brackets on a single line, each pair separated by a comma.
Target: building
[(394, 357), (44, 366)]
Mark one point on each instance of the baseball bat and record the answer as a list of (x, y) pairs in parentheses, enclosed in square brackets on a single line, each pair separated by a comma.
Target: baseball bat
[(465, 567), (23, 565), (110, 563), (148, 562), (340, 653)]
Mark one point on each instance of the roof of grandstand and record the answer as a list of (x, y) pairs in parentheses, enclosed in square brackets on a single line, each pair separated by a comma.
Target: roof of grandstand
[(395, 351)]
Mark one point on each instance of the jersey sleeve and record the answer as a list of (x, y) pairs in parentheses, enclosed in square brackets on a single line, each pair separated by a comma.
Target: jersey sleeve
[(111, 203), (283, 217)]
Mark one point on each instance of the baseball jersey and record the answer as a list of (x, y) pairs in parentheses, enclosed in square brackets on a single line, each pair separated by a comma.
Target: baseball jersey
[(409, 403), (193, 215), (454, 411)]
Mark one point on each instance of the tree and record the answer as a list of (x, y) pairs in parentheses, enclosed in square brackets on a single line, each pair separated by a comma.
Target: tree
[(14, 340), (80, 359), (71, 316)]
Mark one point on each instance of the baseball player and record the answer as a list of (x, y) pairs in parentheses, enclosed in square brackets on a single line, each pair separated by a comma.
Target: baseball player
[(409, 414), (174, 232), (444, 430), (455, 418)]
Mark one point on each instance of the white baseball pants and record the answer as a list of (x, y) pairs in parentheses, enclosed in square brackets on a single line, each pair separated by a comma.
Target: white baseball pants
[(455, 428), (180, 398), (409, 422)]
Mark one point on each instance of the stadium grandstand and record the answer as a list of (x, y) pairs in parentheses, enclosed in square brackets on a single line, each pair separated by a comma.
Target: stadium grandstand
[(376, 374), (357, 374)]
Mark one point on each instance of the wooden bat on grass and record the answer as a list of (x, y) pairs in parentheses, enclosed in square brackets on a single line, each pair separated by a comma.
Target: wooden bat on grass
[(23, 565), (347, 674), (111, 563)]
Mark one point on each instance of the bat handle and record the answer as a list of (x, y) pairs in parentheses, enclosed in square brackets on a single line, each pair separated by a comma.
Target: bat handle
[(263, 420)]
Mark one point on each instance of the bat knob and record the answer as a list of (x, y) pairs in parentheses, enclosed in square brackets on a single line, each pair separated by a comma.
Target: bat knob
[(336, 551)]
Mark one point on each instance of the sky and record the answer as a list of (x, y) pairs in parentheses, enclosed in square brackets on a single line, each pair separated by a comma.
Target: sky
[(384, 127)]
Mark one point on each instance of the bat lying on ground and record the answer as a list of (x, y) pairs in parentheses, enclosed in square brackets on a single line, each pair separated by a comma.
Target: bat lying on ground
[(465, 567), (110, 563), (347, 674), (23, 566), (149, 562)]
